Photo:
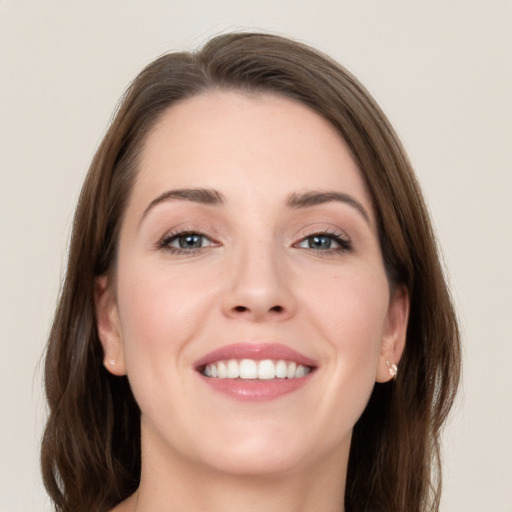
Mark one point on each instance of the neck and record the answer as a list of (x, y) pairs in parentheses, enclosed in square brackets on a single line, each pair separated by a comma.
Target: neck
[(170, 485), (297, 493)]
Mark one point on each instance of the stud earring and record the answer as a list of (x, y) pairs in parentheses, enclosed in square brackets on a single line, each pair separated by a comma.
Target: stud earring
[(110, 362), (392, 368)]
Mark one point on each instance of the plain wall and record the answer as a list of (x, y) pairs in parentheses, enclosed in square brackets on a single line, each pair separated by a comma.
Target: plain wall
[(442, 71)]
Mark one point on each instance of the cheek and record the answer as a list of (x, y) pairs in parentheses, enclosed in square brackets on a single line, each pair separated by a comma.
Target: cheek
[(345, 318), (160, 311), (350, 316), (352, 308)]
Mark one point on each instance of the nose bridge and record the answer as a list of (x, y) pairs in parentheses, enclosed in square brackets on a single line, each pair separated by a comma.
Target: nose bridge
[(259, 287)]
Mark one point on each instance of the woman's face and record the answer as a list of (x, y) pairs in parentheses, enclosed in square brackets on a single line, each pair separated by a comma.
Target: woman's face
[(249, 245)]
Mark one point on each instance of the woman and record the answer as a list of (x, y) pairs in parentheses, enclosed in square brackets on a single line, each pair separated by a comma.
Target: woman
[(254, 315)]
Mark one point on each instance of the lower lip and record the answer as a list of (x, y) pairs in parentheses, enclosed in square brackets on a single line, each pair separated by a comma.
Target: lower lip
[(256, 390)]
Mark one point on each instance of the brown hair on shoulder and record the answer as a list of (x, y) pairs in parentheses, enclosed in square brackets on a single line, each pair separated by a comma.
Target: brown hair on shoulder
[(91, 446)]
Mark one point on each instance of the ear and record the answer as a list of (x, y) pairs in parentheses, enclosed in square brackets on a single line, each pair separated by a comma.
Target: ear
[(109, 327), (394, 334)]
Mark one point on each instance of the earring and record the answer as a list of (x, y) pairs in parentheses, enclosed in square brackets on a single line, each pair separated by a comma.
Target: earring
[(392, 368), (110, 362)]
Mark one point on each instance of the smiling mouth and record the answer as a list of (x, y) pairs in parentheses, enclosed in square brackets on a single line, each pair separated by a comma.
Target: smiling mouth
[(251, 369), (255, 372)]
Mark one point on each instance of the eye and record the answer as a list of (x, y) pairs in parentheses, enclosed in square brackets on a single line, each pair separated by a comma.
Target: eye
[(188, 241), (185, 242), (325, 242)]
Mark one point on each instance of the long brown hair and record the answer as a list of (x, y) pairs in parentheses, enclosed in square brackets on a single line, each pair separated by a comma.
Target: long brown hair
[(91, 446)]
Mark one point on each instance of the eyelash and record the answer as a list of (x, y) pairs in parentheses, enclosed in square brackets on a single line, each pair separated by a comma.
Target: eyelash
[(164, 243), (344, 244)]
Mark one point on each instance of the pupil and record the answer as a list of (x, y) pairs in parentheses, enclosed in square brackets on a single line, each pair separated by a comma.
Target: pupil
[(319, 242), (190, 241)]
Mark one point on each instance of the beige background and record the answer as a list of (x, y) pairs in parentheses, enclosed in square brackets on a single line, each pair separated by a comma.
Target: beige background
[(442, 72)]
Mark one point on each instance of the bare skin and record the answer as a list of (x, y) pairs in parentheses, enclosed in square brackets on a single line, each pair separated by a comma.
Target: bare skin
[(265, 266)]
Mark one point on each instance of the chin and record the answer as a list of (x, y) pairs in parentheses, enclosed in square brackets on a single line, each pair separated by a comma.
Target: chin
[(269, 462), (269, 453)]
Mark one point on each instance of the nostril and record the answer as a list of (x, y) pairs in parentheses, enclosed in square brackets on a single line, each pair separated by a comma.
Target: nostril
[(275, 309)]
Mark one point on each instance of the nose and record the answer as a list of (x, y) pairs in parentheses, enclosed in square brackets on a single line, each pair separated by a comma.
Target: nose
[(260, 287)]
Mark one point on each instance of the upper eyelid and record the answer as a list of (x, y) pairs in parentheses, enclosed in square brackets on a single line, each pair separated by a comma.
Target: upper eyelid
[(188, 229), (164, 241), (345, 243), (329, 232), (184, 232), (315, 229), (177, 234)]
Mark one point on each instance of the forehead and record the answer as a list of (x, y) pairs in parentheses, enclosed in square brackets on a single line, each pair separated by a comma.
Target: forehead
[(237, 142)]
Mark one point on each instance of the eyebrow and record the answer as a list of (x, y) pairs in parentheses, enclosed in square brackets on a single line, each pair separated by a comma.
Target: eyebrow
[(314, 198), (196, 195), (295, 200)]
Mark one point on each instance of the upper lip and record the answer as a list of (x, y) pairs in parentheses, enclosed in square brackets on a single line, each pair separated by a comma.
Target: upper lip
[(256, 351)]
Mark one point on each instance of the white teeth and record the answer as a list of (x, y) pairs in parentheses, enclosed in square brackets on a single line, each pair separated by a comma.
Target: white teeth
[(266, 369), (281, 369), (248, 369), (290, 371), (301, 371), (233, 369), (222, 370)]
